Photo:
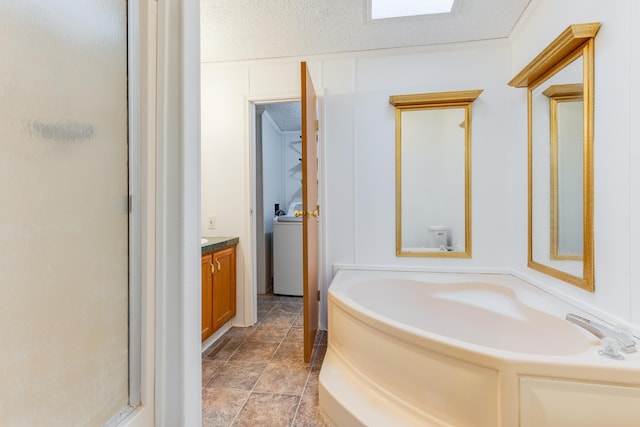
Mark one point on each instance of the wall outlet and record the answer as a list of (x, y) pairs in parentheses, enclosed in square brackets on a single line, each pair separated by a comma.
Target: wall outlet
[(211, 222)]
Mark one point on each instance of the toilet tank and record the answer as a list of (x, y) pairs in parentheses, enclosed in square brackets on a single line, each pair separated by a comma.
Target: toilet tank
[(439, 236)]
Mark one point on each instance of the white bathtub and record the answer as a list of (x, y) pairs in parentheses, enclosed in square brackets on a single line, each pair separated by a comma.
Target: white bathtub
[(448, 349)]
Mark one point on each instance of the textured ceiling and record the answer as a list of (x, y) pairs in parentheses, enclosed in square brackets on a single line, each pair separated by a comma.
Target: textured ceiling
[(257, 29), (286, 115)]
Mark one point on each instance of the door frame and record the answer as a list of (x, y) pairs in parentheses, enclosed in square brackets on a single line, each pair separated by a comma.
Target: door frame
[(251, 287), (169, 118), (169, 203)]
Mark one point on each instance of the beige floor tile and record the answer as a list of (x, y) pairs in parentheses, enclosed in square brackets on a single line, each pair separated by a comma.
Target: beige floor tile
[(283, 378), (279, 319), (220, 406), (311, 388), (209, 368), (291, 299), (258, 352), (257, 377), (266, 305), (240, 375), (309, 413), (225, 349), (267, 410), (217, 346), (269, 334), (237, 332), (269, 297), (295, 335), (287, 307), (290, 353)]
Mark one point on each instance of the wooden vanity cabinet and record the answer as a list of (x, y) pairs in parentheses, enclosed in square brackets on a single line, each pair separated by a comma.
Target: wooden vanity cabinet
[(224, 286), (207, 295), (218, 289)]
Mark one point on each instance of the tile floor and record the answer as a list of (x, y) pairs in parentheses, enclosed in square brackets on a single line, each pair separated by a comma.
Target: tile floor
[(256, 376)]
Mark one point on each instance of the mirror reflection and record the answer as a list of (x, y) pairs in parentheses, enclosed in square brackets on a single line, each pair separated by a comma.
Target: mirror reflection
[(432, 156), (557, 170), (566, 108), (560, 137), (433, 151)]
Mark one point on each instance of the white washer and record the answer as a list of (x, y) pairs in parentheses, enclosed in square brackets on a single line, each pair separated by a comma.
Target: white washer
[(287, 253)]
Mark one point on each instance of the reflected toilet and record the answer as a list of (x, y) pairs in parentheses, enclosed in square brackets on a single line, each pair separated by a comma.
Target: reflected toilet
[(440, 236)]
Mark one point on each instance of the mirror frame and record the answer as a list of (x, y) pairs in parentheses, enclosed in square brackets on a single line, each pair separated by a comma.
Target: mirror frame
[(426, 101), (577, 40)]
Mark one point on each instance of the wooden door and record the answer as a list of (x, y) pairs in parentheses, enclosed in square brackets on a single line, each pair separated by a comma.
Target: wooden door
[(310, 211)]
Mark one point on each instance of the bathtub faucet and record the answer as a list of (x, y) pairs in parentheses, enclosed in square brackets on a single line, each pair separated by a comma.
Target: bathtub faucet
[(628, 345)]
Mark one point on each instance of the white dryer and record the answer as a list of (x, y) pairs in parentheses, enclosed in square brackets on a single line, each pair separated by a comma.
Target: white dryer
[(287, 252)]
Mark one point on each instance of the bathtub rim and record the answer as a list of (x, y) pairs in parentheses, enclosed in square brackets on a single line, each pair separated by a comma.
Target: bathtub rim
[(586, 364), (546, 285)]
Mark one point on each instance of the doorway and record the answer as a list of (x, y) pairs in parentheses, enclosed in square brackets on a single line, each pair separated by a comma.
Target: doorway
[(277, 183)]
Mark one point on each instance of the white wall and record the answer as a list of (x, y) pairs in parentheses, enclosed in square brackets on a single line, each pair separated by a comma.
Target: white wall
[(272, 193), (225, 164), (292, 152), (634, 158), (357, 148), (357, 145), (616, 295), (273, 169)]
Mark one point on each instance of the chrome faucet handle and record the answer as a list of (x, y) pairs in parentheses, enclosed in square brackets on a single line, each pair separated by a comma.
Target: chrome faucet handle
[(628, 345)]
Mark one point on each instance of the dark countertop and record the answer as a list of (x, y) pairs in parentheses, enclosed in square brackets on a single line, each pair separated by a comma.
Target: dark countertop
[(217, 242)]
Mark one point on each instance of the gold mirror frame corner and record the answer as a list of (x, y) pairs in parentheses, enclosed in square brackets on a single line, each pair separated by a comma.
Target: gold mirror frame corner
[(452, 99), (575, 41)]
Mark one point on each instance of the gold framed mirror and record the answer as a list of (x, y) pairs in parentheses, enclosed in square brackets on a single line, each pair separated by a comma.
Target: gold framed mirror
[(560, 82), (433, 174)]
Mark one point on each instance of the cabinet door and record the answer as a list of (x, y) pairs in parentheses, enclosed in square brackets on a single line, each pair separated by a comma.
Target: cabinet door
[(207, 296), (224, 286)]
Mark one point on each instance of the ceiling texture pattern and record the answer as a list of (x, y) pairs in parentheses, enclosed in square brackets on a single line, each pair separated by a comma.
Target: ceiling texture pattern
[(234, 30), (286, 115)]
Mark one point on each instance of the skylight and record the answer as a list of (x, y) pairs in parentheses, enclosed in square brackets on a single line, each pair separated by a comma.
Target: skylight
[(381, 9)]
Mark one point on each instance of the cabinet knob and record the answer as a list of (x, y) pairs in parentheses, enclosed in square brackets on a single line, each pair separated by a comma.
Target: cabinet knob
[(213, 269), (218, 261)]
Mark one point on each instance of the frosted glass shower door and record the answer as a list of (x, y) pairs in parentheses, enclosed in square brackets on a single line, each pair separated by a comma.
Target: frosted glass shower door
[(64, 215)]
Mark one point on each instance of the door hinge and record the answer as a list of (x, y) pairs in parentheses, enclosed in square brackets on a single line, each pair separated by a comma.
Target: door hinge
[(318, 295), (317, 125)]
